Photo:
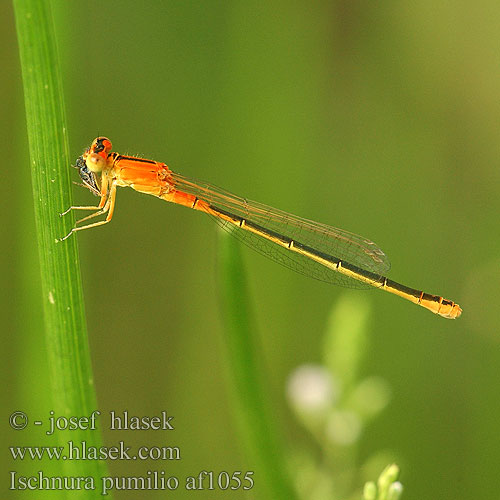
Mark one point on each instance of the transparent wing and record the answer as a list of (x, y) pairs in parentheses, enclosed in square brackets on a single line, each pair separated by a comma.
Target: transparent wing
[(338, 243)]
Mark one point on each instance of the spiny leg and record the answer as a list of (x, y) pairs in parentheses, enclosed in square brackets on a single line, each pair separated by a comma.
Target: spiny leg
[(96, 214), (102, 202), (109, 207), (79, 208)]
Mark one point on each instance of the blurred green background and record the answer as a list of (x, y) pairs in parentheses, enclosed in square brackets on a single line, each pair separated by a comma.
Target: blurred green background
[(377, 117)]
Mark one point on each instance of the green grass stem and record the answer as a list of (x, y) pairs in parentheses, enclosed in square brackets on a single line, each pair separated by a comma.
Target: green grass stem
[(65, 327), (246, 377)]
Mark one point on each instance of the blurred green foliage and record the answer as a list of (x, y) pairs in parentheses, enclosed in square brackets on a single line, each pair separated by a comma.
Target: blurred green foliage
[(245, 373), (336, 406), (380, 118)]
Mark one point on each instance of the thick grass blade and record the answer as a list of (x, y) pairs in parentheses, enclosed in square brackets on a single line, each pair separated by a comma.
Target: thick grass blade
[(65, 327), (245, 376)]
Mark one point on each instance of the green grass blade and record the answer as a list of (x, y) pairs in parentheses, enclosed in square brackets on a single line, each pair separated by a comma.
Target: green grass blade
[(65, 327), (246, 377)]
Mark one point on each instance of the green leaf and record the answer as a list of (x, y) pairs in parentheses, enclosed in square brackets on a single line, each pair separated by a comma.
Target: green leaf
[(64, 318), (246, 375)]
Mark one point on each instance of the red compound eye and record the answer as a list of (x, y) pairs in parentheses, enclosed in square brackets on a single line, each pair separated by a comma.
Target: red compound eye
[(101, 146)]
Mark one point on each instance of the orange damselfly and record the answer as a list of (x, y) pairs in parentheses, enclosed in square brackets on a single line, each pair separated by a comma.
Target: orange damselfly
[(316, 250)]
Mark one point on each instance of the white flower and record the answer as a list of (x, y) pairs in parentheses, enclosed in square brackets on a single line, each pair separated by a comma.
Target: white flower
[(312, 389)]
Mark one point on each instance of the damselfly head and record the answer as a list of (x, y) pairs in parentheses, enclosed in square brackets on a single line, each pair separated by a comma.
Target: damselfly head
[(101, 145)]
